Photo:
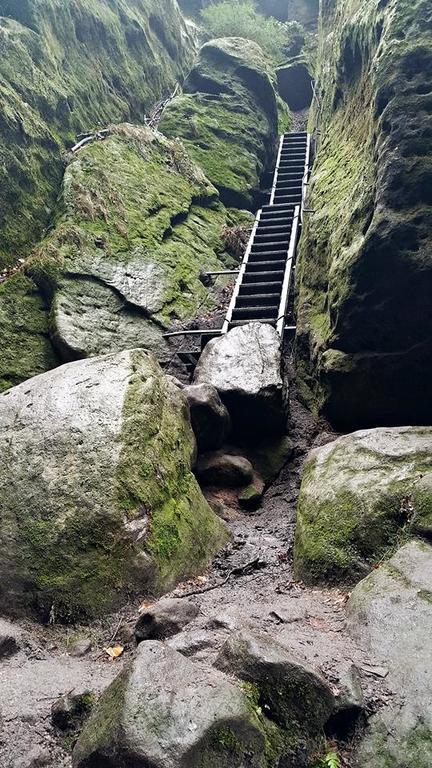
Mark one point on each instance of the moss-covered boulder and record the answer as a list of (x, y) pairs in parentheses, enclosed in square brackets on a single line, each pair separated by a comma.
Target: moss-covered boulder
[(166, 711), (26, 349), (136, 223), (67, 67), (358, 495), (98, 499), (390, 616), (227, 117), (365, 349)]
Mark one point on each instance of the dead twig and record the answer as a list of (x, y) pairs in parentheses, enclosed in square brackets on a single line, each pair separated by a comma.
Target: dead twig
[(238, 571)]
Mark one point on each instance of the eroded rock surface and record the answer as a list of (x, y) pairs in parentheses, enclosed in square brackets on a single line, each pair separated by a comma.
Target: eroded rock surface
[(363, 331), (244, 366), (227, 117), (98, 499), (356, 494), (137, 222), (121, 58), (391, 615)]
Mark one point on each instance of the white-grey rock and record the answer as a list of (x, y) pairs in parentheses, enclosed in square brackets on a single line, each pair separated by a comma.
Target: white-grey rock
[(244, 365), (390, 616), (92, 455)]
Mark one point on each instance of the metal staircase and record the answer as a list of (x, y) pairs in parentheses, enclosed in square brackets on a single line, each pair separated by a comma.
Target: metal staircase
[(263, 284)]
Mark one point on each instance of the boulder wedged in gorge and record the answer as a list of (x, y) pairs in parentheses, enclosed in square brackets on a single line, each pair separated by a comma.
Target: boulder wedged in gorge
[(365, 276), (98, 500), (227, 117), (136, 222), (357, 494), (390, 615), (244, 365), (121, 58), (166, 711)]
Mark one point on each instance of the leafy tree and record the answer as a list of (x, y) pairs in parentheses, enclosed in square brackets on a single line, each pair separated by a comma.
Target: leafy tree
[(240, 18)]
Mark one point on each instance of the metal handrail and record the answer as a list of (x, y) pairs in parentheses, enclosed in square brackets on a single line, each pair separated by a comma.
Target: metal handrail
[(239, 280), (288, 270)]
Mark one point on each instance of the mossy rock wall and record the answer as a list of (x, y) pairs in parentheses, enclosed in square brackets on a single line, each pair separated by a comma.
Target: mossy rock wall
[(227, 117), (360, 496), (99, 502), (68, 66), (26, 347), (135, 224), (365, 277)]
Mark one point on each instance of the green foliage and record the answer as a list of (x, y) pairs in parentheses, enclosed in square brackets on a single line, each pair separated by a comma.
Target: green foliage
[(231, 18), (330, 760)]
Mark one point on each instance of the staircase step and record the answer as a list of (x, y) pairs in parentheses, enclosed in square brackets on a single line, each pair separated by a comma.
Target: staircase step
[(276, 252), (258, 299), (267, 320), (254, 313), (277, 265), (264, 276), (247, 289)]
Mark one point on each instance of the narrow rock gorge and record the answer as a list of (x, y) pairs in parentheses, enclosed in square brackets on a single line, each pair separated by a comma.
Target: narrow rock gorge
[(215, 419)]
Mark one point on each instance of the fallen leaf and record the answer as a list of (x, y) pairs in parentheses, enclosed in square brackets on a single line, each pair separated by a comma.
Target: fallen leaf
[(114, 652)]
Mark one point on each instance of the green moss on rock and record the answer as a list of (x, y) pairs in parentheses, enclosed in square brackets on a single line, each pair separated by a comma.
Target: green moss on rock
[(227, 117), (26, 349), (67, 67), (99, 500), (364, 354), (136, 224), (360, 495)]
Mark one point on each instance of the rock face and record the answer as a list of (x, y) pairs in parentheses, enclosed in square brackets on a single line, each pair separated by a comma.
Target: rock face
[(210, 419), (98, 498), (121, 58), (227, 117), (294, 696), (244, 366), (365, 348), (26, 349), (391, 616), (165, 618), (136, 222), (356, 494), (295, 84)]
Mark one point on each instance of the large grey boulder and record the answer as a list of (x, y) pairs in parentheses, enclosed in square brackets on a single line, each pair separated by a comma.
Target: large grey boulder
[(289, 691), (165, 711), (390, 615), (245, 367), (356, 494), (295, 84), (210, 418), (98, 497)]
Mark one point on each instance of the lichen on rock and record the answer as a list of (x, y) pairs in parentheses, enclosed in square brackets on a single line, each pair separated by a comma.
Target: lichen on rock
[(99, 501)]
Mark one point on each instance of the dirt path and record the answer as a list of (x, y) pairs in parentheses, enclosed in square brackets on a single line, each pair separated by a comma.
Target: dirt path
[(311, 622)]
